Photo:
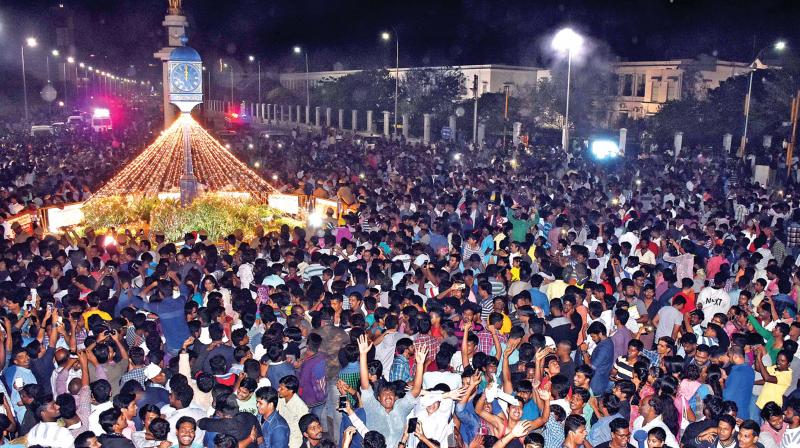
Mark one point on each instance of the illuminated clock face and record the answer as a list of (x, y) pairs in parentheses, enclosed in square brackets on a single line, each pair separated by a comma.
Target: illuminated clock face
[(185, 77)]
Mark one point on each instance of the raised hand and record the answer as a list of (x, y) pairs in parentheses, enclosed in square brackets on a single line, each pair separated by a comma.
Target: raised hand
[(421, 354), (521, 429), (364, 346), (545, 395)]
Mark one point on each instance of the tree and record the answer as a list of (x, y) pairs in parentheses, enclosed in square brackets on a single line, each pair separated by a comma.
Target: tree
[(433, 91), (706, 118), (364, 90)]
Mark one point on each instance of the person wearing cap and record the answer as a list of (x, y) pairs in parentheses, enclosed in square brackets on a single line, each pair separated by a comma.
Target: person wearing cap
[(155, 392)]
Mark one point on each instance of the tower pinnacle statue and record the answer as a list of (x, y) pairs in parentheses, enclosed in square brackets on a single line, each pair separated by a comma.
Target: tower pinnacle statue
[(174, 8)]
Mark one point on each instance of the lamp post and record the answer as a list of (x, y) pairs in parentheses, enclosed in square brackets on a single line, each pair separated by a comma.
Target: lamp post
[(386, 37), (252, 58), (225, 65), (30, 42), (89, 82), (299, 50), (777, 46), (569, 41)]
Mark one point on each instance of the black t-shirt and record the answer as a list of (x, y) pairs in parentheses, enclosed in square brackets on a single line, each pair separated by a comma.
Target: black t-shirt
[(238, 426), (608, 445)]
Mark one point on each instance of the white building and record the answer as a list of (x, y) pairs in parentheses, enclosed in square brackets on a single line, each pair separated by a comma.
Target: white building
[(491, 77), (644, 86)]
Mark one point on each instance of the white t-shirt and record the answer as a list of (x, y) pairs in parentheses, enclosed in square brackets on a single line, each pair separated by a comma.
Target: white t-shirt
[(713, 301)]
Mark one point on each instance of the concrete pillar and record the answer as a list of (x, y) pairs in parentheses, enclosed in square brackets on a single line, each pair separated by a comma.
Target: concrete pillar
[(316, 116), (275, 114), (267, 112), (369, 122), (726, 142), (308, 115), (282, 115), (264, 112), (290, 113), (481, 134), (328, 116), (297, 116), (678, 142), (341, 118), (354, 121), (386, 123), (405, 126), (623, 137), (426, 128), (452, 123)]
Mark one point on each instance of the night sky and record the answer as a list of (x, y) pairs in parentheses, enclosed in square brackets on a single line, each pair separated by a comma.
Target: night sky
[(344, 34)]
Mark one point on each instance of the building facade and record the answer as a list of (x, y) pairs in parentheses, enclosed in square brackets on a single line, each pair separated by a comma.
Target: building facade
[(491, 77), (644, 86)]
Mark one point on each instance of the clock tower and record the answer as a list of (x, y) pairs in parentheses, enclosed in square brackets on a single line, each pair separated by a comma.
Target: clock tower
[(175, 24), (185, 75)]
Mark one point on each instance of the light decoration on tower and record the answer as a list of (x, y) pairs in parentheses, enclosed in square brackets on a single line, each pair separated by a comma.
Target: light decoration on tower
[(158, 169)]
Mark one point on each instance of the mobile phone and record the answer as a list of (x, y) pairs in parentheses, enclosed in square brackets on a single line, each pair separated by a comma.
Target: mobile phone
[(342, 403), (412, 425)]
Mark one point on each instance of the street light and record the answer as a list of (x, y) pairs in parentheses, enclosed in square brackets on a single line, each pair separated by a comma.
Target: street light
[(386, 37), (252, 58), (32, 43), (777, 46), (298, 50), (569, 41)]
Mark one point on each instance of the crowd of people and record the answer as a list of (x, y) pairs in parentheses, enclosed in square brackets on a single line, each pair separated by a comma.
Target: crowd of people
[(515, 297)]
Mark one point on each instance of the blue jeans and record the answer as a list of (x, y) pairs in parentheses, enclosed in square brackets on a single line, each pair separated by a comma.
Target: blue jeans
[(755, 412)]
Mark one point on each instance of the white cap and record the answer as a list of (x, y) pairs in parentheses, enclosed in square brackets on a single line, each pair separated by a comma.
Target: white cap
[(151, 371)]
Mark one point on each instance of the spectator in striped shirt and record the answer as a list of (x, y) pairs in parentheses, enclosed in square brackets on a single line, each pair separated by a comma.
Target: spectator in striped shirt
[(485, 299)]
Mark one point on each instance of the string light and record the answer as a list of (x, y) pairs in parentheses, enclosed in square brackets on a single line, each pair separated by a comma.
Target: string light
[(159, 168)]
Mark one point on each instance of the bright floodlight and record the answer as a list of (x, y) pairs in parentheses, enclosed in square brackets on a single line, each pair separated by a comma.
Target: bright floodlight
[(567, 40), (780, 45), (55, 53), (315, 219), (605, 149), (31, 42), (71, 60), (251, 58), (101, 113), (297, 50), (385, 35)]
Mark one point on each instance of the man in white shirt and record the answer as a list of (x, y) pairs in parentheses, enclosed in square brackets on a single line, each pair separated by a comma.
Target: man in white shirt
[(181, 405), (101, 401), (650, 411), (291, 407), (714, 299), (48, 432), (386, 342)]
